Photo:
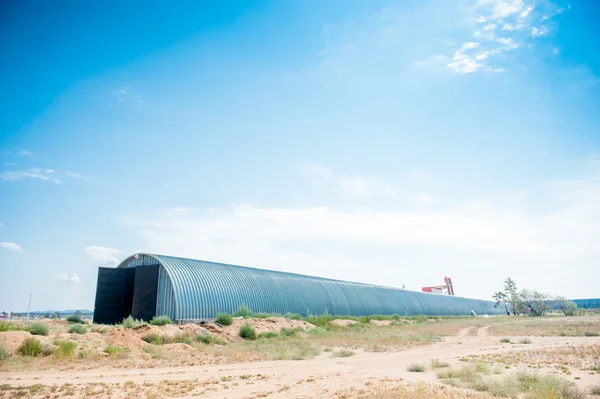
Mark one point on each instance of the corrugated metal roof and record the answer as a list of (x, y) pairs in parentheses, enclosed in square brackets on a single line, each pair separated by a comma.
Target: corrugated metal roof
[(195, 289)]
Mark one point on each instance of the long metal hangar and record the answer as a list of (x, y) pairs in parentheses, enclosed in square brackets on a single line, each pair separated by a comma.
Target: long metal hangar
[(147, 285)]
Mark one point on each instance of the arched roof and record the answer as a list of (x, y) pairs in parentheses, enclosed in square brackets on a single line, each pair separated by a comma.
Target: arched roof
[(195, 289)]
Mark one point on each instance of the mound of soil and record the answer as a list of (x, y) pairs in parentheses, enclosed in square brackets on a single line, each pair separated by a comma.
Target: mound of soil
[(343, 322), (12, 340), (380, 322), (232, 332)]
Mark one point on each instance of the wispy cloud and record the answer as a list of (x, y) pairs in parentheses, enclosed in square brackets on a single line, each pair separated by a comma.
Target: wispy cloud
[(126, 93), (25, 153), (366, 187), (69, 278), (107, 255), (11, 246), (500, 27), (32, 173), (50, 175)]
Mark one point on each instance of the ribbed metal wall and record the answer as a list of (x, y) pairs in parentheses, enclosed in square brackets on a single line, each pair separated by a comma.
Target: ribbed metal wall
[(194, 289)]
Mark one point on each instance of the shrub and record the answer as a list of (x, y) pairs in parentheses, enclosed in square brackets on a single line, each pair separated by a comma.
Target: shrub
[(38, 329), (293, 316), (30, 347), (75, 319), (65, 349), (153, 339), (262, 315), (416, 368), (204, 338), (247, 331), (268, 335), (77, 329), (505, 340), (591, 334), (182, 338), (343, 353), (525, 341), (224, 319), (4, 353), (243, 311), (48, 349), (288, 332), (6, 326), (130, 322), (115, 350), (595, 390), (161, 321), (438, 364)]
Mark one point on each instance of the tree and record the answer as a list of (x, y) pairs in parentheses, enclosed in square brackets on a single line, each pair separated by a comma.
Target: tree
[(501, 297), (510, 296), (514, 298), (536, 302), (568, 307)]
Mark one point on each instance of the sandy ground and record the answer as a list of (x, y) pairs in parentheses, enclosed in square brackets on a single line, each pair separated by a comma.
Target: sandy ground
[(322, 377)]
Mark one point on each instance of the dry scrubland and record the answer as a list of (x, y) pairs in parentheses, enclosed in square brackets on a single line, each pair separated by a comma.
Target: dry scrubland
[(418, 357)]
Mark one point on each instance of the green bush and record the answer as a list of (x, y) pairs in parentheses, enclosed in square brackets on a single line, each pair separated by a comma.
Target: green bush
[(505, 341), (183, 338), (224, 319), (243, 311), (293, 316), (75, 319), (153, 339), (525, 341), (38, 329), (288, 332), (267, 335), (416, 368), (591, 334), (595, 390), (262, 315), (4, 353), (205, 338), (77, 329), (130, 322), (113, 350), (6, 326), (65, 348), (161, 321), (30, 347), (247, 331)]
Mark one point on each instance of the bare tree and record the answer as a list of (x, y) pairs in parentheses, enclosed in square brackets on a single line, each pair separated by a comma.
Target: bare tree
[(569, 308), (536, 302)]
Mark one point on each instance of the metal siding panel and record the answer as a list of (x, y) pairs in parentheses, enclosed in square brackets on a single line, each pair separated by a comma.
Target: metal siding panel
[(192, 289)]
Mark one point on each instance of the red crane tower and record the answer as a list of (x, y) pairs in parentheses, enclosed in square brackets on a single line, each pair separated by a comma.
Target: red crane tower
[(447, 288)]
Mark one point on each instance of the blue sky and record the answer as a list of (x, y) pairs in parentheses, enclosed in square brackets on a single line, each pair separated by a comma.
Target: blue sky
[(387, 142)]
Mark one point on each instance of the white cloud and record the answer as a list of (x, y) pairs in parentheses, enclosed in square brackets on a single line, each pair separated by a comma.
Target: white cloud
[(107, 255), (25, 153), (514, 17), (11, 246), (463, 61), (70, 279), (32, 173), (537, 32), (126, 94), (50, 175), (360, 186)]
